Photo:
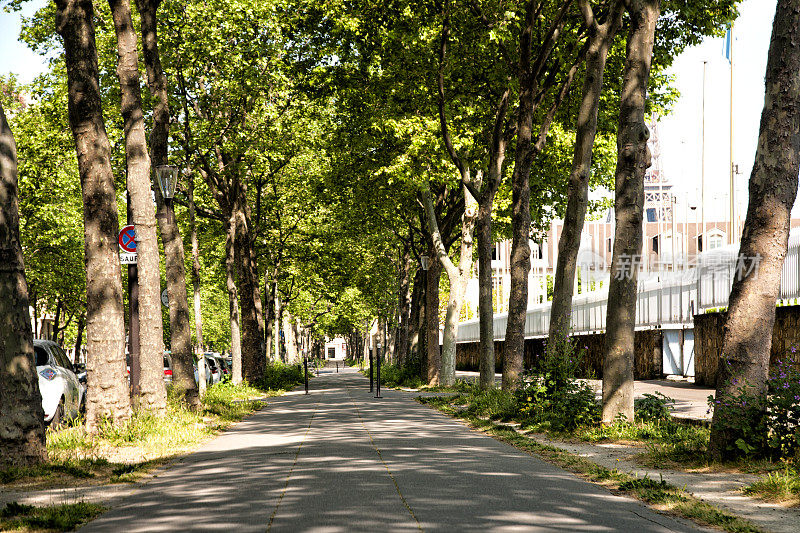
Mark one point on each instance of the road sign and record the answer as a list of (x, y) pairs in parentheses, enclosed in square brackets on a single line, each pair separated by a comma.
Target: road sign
[(127, 258), (164, 298), (127, 239)]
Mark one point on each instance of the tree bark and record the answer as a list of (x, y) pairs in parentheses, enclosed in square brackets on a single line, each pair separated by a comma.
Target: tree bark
[(180, 329), (22, 440), (107, 394), (433, 358), (79, 338), (600, 38), (152, 394), (773, 188), (292, 354), (269, 318), (520, 216), (633, 158), (483, 230), (233, 303), (198, 316), (254, 357), (413, 352), (404, 309)]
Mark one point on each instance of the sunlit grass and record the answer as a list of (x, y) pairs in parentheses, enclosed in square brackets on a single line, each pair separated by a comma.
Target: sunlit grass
[(28, 518), (779, 486)]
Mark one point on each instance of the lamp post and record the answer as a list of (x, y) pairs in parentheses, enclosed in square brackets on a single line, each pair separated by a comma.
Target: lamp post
[(305, 366), (371, 379), (378, 377), (424, 261), (167, 179)]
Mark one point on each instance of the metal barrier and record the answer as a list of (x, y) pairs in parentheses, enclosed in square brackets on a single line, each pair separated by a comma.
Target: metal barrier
[(665, 299)]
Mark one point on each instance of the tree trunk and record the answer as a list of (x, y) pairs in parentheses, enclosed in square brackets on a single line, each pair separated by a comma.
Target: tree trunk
[(152, 394), (433, 359), (22, 440), (520, 217), (180, 330), (107, 394), (633, 158), (79, 337), (254, 357), (269, 319), (233, 304), (412, 354), (404, 309), (483, 227), (773, 188), (292, 355), (601, 37)]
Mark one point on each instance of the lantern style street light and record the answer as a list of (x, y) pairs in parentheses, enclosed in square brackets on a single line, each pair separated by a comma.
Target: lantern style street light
[(167, 179)]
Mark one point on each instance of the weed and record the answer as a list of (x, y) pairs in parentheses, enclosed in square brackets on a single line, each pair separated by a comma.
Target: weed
[(67, 517), (781, 486)]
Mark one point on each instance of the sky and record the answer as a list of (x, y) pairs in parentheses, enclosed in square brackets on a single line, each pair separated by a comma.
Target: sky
[(680, 133), (15, 56)]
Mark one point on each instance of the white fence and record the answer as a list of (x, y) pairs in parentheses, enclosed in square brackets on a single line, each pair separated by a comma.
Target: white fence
[(664, 300)]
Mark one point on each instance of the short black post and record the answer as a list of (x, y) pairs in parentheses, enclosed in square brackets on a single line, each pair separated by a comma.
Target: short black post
[(305, 364), (371, 379), (337, 367), (378, 378)]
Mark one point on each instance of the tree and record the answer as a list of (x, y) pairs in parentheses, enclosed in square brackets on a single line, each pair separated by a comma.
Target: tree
[(633, 159), (107, 395), (150, 391), (180, 331), (21, 414), (601, 37), (744, 362)]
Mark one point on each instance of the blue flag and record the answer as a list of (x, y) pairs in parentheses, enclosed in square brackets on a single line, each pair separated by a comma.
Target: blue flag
[(727, 45)]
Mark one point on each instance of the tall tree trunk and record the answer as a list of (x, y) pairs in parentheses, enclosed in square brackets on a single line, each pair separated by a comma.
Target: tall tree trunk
[(180, 330), (404, 309), (233, 303), (457, 276), (633, 158), (79, 337), (56, 321), (773, 188), (254, 357), (483, 229), (22, 440), (269, 318), (152, 392), (198, 316), (107, 391), (601, 36), (412, 354), (520, 215), (292, 356), (433, 358)]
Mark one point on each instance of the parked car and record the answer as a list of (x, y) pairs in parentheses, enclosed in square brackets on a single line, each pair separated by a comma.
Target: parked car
[(213, 368), (167, 367), (62, 391), (202, 361), (224, 368)]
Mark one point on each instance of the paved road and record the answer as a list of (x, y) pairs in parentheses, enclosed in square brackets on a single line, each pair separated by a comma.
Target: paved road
[(339, 460)]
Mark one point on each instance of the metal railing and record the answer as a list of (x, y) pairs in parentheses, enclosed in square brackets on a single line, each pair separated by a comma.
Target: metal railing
[(665, 299)]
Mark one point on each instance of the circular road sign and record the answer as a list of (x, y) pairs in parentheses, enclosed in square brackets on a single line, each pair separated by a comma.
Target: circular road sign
[(127, 239)]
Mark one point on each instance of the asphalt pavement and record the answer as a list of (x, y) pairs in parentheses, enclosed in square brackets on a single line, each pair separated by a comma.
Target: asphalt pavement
[(340, 460)]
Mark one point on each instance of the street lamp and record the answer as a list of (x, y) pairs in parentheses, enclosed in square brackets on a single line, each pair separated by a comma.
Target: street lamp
[(425, 260), (167, 179)]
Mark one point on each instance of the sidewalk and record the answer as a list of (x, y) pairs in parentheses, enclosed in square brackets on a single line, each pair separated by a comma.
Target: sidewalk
[(340, 460), (691, 401)]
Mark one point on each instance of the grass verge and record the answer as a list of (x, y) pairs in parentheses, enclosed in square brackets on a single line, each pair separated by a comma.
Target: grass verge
[(782, 486), (127, 452), (28, 518), (659, 494)]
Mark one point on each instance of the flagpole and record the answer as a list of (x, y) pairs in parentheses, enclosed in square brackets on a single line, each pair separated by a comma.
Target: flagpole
[(703, 168), (733, 233)]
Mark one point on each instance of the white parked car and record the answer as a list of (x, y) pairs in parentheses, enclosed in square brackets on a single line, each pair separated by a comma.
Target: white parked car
[(62, 392)]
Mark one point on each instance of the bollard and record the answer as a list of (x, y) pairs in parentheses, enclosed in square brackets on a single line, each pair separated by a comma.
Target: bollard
[(371, 383), (337, 367), (378, 378), (305, 364)]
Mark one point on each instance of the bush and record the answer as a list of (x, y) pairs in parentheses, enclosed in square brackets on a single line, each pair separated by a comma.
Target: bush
[(398, 376), (783, 411), (280, 376), (554, 397), (653, 408)]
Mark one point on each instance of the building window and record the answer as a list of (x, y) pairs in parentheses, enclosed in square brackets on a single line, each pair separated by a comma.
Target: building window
[(609, 245), (494, 253), (700, 243), (715, 241), (651, 214), (655, 244)]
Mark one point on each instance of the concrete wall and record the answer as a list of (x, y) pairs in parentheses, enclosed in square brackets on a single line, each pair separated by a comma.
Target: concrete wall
[(708, 331), (647, 363)]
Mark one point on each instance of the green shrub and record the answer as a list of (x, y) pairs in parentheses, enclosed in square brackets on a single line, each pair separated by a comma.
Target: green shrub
[(395, 376), (280, 376), (653, 408)]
